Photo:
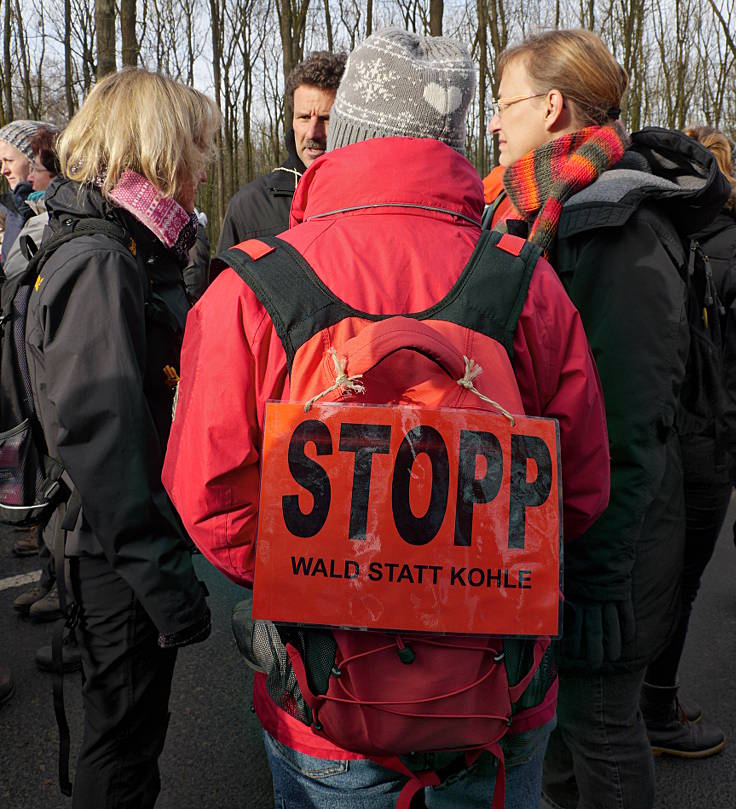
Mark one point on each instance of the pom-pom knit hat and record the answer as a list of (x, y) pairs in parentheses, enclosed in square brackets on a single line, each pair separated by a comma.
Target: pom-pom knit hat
[(20, 134), (401, 84)]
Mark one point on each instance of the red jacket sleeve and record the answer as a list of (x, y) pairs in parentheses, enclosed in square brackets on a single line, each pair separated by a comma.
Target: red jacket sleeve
[(558, 379), (211, 470)]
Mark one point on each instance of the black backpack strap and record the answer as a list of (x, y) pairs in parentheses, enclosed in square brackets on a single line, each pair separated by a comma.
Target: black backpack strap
[(487, 297), (71, 229), (305, 310), (490, 293)]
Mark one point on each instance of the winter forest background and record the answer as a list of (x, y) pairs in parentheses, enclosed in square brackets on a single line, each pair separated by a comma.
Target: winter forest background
[(680, 56)]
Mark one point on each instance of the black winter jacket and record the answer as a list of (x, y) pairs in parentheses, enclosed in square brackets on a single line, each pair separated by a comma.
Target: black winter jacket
[(619, 252), (104, 320), (261, 208), (718, 241)]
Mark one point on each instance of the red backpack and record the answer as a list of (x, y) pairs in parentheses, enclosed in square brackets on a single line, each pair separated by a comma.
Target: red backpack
[(409, 700)]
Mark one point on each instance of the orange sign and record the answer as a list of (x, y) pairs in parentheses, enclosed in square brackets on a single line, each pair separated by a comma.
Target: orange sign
[(402, 518)]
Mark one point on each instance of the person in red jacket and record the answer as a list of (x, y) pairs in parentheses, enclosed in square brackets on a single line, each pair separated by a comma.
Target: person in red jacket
[(388, 219)]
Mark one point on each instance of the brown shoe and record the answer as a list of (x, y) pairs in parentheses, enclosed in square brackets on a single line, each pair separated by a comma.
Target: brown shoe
[(25, 600), (27, 544), (46, 608)]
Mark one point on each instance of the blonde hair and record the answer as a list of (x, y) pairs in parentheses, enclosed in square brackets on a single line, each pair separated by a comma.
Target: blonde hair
[(716, 142), (143, 121), (580, 66)]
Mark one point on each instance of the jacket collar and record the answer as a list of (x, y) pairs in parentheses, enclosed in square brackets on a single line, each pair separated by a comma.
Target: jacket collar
[(662, 166), (414, 172)]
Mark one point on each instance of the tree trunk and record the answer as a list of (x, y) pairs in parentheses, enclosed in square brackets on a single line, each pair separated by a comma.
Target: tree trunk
[(216, 21), (68, 75), (127, 29), (8, 69), (292, 26), (105, 25), (369, 18), (482, 158), (436, 9), (328, 27)]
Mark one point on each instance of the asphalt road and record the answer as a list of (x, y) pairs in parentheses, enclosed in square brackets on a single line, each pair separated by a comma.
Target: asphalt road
[(214, 756)]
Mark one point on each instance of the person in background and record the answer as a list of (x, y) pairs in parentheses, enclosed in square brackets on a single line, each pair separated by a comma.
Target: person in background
[(388, 220), (197, 272), (595, 200), (261, 208), (709, 465), (16, 159), (44, 168), (41, 601), (103, 334)]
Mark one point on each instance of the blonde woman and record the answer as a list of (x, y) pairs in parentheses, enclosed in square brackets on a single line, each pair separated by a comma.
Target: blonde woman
[(103, 335), (611, 212)]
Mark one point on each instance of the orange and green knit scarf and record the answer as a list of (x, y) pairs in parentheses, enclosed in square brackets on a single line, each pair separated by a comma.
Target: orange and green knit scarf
[(539, 183)]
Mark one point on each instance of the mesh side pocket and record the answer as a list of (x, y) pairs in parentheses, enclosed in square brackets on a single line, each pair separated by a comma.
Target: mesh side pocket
[(17, 483), (264, 651)]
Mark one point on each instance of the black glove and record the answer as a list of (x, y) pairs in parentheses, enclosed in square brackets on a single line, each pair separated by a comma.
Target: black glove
[(596, 632)]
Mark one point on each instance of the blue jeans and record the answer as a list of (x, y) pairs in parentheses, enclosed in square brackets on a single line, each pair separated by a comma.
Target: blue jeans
[(304, 782), (599, 756)]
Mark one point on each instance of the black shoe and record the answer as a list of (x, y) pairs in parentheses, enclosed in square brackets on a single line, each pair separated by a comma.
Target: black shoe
[(71, 657), (669, 730), (7, 686), (693, 712)]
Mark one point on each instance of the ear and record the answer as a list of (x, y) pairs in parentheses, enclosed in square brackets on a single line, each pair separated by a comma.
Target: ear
[(554, 112)]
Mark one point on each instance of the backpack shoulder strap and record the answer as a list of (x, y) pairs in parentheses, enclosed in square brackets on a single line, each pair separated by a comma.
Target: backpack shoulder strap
[(269, 266), (489, 294), (71, 229), (487, 297)]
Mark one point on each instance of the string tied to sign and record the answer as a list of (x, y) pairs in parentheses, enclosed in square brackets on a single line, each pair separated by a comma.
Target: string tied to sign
[(472, 370), (343, 382)]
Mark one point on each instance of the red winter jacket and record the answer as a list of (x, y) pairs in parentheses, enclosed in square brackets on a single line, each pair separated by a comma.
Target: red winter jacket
[(361, 217)]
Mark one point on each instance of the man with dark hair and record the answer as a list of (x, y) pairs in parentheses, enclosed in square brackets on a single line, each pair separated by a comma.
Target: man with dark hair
[(261, 208)]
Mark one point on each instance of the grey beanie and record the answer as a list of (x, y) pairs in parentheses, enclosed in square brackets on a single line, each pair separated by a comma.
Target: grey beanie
[(401, 84), (20, 133)]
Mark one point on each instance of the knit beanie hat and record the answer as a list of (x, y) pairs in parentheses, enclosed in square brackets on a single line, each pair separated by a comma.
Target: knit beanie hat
[(401, 84), (20, 133)]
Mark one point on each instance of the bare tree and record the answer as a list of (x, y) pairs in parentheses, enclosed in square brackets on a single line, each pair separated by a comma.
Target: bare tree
[(292, 16), (105, 25), (8, 63), (127, 30), (436, 11)]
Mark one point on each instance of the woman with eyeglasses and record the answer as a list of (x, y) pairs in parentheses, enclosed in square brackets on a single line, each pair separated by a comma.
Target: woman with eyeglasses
[(610, 211), (42, 170)]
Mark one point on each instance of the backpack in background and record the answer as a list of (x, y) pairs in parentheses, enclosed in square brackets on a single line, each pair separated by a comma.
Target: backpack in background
[(408, 700), (703, 394), (30, 481)]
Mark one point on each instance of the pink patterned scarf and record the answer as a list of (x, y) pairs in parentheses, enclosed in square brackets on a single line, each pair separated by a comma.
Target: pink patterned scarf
[(163, 216)]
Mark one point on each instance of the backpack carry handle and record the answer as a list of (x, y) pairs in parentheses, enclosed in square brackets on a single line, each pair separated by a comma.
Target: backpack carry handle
[(380, 339)]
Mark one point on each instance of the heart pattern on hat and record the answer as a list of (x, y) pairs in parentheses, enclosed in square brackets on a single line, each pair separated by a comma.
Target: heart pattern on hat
[(443, 100)]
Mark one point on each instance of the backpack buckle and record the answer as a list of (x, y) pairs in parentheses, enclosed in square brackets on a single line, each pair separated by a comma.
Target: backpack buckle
[(52, 490), (72, 615)]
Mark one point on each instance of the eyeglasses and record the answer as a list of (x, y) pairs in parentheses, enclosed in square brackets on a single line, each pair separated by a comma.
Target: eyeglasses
[(500, 105), (39, 169)]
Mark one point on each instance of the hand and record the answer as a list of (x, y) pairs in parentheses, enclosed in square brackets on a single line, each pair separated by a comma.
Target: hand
[(596, 632)]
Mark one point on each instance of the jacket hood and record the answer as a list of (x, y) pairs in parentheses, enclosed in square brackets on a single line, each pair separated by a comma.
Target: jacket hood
[(725, 219), (410, 172), (663, 166), (293, 161)]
